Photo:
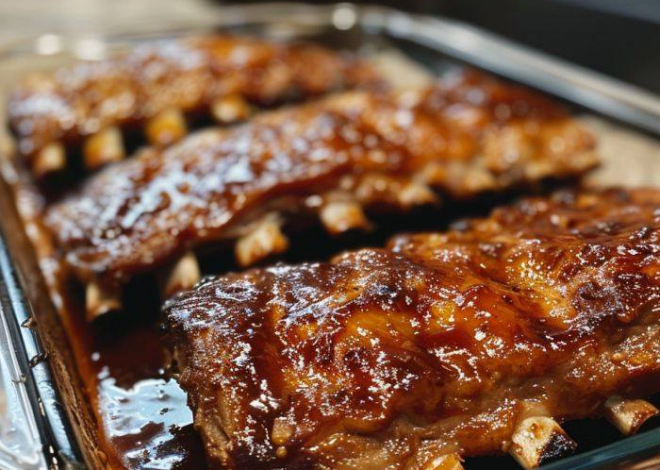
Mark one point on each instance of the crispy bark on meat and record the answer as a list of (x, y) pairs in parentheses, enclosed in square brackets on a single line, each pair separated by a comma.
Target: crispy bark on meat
[(461, 343), (157, 85), (466, 136)]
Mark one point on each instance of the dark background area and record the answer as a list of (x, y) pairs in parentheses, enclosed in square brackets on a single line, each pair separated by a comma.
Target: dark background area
[(596, 35), (620, 38)]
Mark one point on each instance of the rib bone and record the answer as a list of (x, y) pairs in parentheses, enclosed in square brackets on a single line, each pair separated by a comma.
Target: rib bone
[(538, 440), (182, 275), (341, 216), (445, 462), (264, 240), (232, 108), (417, 194), (101, 301), (629, 415), (50, 159), (166, 127), (104, 147)]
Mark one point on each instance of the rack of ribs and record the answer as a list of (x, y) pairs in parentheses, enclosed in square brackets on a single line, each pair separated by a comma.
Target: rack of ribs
[(440, 346), (329, 159), (87, 109)]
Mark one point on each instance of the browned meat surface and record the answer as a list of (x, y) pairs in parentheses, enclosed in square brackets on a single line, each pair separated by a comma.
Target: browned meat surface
[(188, 75), (468, 135), (440, 343)]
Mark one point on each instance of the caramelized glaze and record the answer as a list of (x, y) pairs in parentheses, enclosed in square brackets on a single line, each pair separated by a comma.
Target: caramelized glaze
[(442, 342), (187, 74), (466, 136)]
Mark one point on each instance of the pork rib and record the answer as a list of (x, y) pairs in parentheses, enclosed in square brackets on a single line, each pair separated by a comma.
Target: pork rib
[(466, 136), (440, 344), (157, 85)]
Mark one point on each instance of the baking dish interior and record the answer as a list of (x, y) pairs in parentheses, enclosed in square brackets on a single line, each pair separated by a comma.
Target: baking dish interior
[(69, 423)]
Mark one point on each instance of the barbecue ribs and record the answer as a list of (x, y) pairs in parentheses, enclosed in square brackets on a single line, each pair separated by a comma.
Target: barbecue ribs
[(439, 346), (383, 151), (158, 87)]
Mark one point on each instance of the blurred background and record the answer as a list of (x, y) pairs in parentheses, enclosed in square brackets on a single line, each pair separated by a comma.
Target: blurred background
[(620, 38)]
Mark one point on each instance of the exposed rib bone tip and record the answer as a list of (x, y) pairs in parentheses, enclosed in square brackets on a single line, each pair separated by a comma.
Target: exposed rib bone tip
[(182, 275), (106, 146), (265, 239), (166, 127), (49, 159), (445, 462), (629, 415), (100, 301), (341, 216), (538, 440), (232, 108), (417, 194)]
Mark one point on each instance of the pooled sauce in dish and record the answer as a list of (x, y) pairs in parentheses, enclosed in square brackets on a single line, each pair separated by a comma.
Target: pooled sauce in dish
[(144, 418)]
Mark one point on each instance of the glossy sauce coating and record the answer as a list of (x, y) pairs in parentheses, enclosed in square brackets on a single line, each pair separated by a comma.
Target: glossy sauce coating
[(442, 342), (186, 74), (465, 136)]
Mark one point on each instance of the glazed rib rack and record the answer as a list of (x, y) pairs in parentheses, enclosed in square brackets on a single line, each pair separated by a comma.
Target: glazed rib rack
[(159, 89), (332, 159), (439, 347)]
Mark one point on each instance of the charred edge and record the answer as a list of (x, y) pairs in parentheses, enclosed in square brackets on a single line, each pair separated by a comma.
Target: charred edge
[(559, 445), (539, 440), (38, 359)]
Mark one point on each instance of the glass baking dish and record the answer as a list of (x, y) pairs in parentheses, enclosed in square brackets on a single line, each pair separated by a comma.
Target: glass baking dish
[(54, 408)]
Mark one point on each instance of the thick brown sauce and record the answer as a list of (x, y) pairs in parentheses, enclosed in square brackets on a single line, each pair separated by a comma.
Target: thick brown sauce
[(145, 416), (186, 74), (141, 213)]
